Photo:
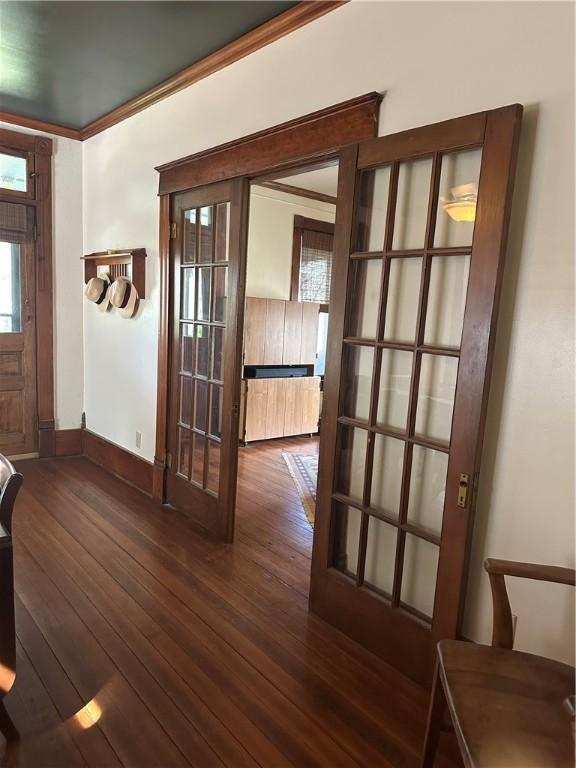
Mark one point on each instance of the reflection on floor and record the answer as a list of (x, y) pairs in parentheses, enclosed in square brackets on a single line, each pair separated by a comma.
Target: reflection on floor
[(143, 644)]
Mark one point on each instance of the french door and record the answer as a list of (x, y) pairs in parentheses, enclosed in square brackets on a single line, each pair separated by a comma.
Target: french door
[(419, 245), (207, 280)]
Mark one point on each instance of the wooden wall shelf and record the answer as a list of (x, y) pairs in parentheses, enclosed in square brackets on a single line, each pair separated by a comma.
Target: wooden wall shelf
[(127, 262)]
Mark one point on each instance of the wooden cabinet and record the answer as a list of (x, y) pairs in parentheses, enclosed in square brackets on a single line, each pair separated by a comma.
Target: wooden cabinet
[(274, 340), (279, 407), (291, 349), (254, 331), (280, 332)]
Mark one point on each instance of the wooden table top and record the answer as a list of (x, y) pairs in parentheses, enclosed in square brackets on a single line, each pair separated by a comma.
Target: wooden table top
[(508, 707)]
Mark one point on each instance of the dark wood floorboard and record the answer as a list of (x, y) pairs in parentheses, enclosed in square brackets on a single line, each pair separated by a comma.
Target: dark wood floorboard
[(143, 644)]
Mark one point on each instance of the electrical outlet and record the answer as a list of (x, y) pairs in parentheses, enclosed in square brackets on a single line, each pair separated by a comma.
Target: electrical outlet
[(138, 439)]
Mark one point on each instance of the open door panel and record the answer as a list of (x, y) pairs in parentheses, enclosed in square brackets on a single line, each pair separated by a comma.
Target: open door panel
[(419, 249)]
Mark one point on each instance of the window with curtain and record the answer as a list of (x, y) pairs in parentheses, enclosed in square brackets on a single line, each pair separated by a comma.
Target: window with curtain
[(312, 260)]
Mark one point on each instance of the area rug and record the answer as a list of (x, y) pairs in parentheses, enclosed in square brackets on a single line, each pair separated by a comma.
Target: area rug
[(304, 471)]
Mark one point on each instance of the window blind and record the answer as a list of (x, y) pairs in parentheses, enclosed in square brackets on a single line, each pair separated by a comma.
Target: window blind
[(16, 222), (316, 266)]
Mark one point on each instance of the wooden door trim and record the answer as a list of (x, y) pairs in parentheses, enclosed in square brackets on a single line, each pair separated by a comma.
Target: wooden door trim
[(361, 118), (311, 137), (41, 149)]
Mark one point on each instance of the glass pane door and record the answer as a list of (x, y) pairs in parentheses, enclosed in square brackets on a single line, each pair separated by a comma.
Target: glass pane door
[(404, 399), (205, 271)]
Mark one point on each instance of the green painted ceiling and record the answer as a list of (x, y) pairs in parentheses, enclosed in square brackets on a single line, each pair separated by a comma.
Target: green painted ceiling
[(72, 62)]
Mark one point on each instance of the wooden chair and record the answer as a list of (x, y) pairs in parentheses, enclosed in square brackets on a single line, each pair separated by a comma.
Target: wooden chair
[(508, 709), (10, 482)]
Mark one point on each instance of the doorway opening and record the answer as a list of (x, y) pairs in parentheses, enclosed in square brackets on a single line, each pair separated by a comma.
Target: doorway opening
[(288, 280)]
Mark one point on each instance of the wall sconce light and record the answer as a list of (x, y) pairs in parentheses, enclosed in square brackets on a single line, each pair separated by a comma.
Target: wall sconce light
[(461, 205)]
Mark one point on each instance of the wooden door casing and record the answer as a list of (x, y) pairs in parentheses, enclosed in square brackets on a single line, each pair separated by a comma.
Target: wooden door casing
[(384, 623)]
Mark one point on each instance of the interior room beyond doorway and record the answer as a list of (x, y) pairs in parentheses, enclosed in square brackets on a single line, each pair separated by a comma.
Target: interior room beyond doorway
[(289, 265)]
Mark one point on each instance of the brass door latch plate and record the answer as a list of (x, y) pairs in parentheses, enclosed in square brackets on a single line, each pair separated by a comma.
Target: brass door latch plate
[(463, 489)]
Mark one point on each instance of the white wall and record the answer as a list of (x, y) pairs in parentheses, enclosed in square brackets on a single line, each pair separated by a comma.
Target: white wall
[(435, 61), (271, 226), (68, 279)]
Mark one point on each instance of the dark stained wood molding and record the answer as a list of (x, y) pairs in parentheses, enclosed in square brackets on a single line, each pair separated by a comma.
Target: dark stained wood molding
[(289, 189), (163, 385), (120, 462), (40, 150), (68, 442), (362, 117), (44, 295), (41, 125), (316, 136), (266, 33)]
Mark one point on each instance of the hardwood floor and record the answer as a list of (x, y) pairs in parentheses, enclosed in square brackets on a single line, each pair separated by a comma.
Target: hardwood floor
[(142, 644)]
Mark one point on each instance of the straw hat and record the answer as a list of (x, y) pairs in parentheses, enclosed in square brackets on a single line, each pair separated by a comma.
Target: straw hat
[(123, 296), (96, 290)]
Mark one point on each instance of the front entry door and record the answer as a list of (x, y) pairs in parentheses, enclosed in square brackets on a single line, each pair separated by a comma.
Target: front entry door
[(207, 277), (18, 405), (419, 246)]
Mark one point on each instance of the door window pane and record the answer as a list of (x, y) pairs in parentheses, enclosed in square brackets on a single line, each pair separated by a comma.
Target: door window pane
[(358, 383), (189, 237), (188, 293), (365, 298), (350, 477), (10, 289), (202, 350), (403, 296), (206, 234), (203, 300), (395, 374), (447, 300), (198, 450), (187, 348), (374, 188), (216, 410), (13, 172), (412, 204), (213, 475), (346, 522), (427, 488), (220, 293), (387, 475), (458, 195), (221, 232), (217, 353), (186, 392), (436, 396), (183, 452), (419, 574), (380, 556), (201, 406)]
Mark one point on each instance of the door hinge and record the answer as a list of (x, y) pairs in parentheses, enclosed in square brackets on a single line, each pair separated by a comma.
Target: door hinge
[(236, 409), (35, 231), (173, 230), (168, 460), (463, 489)]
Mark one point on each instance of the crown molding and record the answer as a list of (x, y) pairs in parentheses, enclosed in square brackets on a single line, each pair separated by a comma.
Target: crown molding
[(292, 19), (40, 125)]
